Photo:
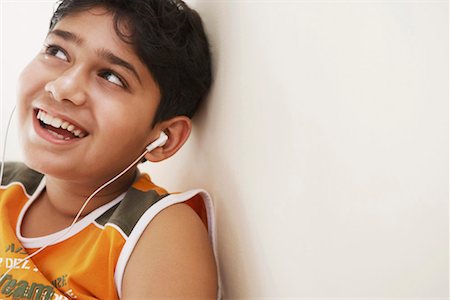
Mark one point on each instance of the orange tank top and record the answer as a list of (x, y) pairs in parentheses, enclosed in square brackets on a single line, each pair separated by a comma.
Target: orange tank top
[(89, 262)]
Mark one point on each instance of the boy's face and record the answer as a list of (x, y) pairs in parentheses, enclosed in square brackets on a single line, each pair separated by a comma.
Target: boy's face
[(103, 95)]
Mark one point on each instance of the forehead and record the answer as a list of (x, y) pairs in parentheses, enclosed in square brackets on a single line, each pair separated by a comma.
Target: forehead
[(94, 28)]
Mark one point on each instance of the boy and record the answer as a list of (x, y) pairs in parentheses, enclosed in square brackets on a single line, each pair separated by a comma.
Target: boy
[(112, 75)]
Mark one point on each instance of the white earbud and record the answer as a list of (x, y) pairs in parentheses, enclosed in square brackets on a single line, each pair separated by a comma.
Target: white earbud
[(159, 142)]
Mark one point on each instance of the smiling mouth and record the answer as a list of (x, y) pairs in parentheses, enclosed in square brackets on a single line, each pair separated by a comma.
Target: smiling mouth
[(59, 128)]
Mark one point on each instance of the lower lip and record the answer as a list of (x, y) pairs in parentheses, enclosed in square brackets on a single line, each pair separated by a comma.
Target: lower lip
[(43, 133)]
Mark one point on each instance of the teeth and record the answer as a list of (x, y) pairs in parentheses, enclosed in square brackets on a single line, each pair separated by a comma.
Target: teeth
[(47, 119), (56, 122), (56, 135), (59, 123)]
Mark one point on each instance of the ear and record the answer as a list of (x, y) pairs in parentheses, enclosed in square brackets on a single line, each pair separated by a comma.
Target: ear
[(178, 130)]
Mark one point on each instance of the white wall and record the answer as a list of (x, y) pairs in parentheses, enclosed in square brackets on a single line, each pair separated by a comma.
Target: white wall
[(324, 143)]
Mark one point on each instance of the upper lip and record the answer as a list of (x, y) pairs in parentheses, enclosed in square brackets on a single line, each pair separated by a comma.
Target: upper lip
[(62, 117)]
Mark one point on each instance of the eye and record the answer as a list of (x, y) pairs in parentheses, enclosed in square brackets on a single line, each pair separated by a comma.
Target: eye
[(113, 78), (56, 51)]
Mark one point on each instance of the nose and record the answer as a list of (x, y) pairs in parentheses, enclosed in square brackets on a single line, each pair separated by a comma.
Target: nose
[(68, 86)]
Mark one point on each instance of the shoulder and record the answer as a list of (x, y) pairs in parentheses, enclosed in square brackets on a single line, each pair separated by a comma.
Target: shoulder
[(173, 258)]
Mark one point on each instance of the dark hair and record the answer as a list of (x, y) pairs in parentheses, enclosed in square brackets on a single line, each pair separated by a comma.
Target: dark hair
[(169, 38)]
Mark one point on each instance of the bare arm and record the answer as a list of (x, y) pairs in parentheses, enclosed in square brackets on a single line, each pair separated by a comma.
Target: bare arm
[(172, 259)]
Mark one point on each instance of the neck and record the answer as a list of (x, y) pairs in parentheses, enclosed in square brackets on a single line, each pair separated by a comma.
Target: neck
[(67, 197)]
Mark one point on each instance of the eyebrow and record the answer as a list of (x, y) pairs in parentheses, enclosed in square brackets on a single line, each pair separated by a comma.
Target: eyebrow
[(67, 36), (115, 60), (102, 53)]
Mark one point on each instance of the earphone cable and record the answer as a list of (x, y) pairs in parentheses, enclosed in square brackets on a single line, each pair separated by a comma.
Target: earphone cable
[(19, 261)]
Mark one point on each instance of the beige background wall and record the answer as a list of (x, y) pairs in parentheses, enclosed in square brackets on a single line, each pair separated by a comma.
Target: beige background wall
[(324, 143)]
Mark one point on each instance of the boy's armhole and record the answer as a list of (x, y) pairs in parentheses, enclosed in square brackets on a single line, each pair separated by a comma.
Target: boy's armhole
[(199, 200)]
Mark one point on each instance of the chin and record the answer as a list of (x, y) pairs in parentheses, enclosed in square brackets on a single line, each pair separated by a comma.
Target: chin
[(47, 165)]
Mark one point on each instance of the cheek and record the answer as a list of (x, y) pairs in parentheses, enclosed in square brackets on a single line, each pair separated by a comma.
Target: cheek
[(31, 85), (30, 82), (127, 117), (28, 78), (24, 87), (129, 131)]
